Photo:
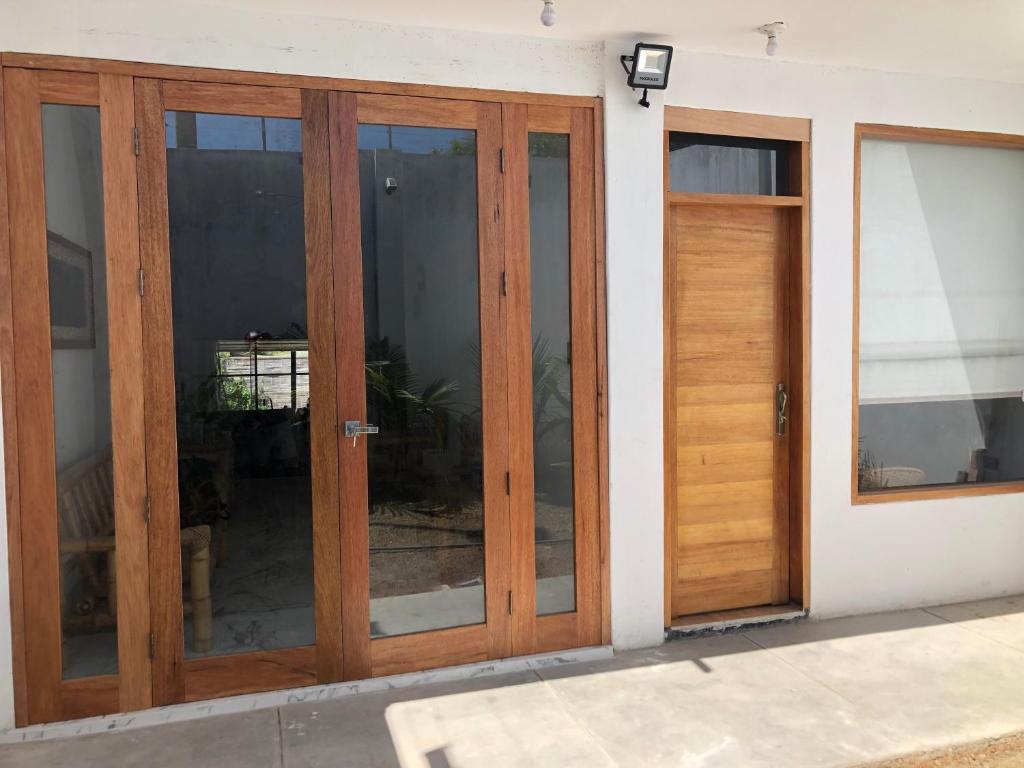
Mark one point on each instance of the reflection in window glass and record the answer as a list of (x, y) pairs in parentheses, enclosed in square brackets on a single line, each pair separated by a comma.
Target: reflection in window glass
[(552, 384), (238, 298), (422, 325), (193, 130), (941, 315), (726, 165), (81, 388)]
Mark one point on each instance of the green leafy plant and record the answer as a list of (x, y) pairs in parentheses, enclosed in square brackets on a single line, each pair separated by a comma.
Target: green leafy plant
[(416, 418), (552, 405), (237, 395)]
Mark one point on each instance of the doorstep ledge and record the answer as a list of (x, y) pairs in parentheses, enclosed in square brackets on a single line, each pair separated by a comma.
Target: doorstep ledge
[(176, 713)]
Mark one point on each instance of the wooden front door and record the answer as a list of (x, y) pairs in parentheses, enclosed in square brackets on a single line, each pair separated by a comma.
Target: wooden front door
[(729, 366)]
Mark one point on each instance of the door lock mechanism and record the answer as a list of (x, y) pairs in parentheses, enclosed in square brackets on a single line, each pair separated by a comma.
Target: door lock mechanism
[(354, 429), (781, 400)]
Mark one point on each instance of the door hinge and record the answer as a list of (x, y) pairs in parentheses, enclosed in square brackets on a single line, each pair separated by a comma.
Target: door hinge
[(508, 483), (142, 282), (501, 159), (147, 509), (135, 141), (152, 646), (510, 602), (504, 284)]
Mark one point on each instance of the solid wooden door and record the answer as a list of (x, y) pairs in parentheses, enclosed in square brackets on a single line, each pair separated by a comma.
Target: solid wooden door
[(729, 362)]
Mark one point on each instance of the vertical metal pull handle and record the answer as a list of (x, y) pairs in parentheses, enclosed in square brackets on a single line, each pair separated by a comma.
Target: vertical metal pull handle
[(781, 400)]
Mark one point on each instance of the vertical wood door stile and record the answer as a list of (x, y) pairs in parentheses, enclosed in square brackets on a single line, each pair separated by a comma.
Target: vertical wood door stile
[(519, 345), (161, 416), (128, 424), (37, 454), (348, 314), (320, 281)]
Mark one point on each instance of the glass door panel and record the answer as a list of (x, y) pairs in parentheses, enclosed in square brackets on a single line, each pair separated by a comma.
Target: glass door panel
[(421, 323), (552, 372), (241, 373), (77, 273)]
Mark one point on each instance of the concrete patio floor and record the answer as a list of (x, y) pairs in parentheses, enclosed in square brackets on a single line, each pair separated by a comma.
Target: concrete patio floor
[(813, 693)]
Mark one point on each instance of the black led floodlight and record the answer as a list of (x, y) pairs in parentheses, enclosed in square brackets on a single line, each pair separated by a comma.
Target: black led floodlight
[(647, 68)]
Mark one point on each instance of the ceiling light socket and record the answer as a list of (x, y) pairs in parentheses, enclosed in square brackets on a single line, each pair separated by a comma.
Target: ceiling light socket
[(772, 32)]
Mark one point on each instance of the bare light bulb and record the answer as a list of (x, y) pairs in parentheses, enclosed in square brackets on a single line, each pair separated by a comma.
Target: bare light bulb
[(772, 32), (547, 16)]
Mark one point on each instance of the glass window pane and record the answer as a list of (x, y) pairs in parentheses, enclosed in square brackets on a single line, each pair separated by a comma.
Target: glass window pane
[(422, 323), (552, 379), (941, 315), (81, 387), (726, 165), (238, 287)]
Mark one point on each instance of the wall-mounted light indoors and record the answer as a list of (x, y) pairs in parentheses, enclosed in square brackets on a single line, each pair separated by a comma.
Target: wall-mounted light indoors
[(647, 68)]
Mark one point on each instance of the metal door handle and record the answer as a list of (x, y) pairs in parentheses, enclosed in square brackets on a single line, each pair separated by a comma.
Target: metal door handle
[(354, 429), (781, 400)]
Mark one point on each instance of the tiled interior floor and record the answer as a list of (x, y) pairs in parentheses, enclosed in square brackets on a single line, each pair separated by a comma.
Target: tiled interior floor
[(831, 693)]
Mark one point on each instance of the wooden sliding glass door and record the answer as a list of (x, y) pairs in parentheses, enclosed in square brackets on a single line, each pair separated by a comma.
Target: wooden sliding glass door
[(307, 385)]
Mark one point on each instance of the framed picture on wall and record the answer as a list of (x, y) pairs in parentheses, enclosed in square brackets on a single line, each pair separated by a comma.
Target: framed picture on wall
[(72, 315)]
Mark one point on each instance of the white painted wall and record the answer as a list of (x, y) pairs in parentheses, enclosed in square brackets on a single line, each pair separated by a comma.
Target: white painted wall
[(862, 559), (633, 214), (881, 556)]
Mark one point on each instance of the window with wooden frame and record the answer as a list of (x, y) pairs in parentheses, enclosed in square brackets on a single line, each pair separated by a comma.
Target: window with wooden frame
[(938, 346)]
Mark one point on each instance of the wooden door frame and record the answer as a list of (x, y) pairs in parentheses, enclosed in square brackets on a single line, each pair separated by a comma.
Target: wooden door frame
[(176, 678), (37, 637), (797, 131), (533, 633), (77, 80), (366, 657)]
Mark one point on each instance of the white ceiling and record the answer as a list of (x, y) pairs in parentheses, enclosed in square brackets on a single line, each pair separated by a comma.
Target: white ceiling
[(962, 38)]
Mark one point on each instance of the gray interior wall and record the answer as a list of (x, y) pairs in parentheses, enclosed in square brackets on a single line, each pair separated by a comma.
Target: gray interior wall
[(238, 250), (549, 251), (74, 210), (421, 264), (421, 268)]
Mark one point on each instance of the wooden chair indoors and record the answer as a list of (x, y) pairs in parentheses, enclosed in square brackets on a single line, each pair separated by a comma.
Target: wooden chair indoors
[(85, 500)]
